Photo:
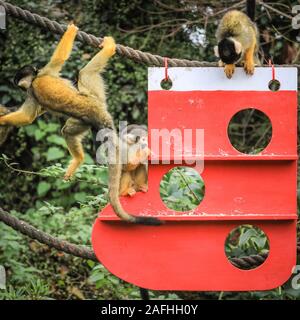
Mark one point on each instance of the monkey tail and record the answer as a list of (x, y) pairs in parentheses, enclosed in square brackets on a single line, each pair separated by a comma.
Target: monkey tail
[(114, 174), (251, 4)]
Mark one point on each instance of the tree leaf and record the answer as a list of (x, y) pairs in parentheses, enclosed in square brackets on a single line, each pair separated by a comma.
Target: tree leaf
[(55, 153), (43, 188)]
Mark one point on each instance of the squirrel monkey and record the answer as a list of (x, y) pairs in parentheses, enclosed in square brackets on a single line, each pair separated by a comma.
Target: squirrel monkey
[(135, 158), (237, 38), (4, 130), (85, 106)]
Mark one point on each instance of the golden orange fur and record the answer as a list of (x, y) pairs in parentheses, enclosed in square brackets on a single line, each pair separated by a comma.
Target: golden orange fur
[(237, 26)]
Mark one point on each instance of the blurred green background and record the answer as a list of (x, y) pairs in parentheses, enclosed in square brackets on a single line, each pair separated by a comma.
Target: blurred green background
[(182, 29)]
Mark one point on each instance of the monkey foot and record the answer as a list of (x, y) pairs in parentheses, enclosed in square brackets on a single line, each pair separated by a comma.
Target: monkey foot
[(109, 45), (68, 176), (249, 67), (229, 70), (143, 188), (72, 27), (131, 192)]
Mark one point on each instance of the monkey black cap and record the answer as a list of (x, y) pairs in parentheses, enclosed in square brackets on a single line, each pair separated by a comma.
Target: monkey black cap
[(227, 51), (24, 72)]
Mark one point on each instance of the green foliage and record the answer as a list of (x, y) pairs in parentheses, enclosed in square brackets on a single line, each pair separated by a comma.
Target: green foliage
[(42, 273), (246, 240), (182, 189), (250, 131), (33, 290)]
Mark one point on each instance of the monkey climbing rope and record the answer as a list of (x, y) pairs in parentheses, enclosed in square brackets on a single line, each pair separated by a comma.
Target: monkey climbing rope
[(136, 55)]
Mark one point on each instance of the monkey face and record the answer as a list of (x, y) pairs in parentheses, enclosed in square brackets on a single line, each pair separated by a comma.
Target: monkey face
[(143, 152), (135, 138), (138, 150), (24, 77), (229, 50)]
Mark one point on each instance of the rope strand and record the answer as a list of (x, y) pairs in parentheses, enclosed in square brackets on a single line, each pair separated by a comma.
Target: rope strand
[(61, 245)]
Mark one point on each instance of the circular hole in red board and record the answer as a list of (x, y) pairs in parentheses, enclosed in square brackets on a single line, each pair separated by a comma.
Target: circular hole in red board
[(247, 241), (166, 84), (250, 131), (182, 189)]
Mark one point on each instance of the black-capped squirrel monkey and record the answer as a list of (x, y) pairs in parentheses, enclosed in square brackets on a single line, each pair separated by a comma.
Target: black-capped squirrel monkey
[(85, 106), (135, 152), (237, 38)]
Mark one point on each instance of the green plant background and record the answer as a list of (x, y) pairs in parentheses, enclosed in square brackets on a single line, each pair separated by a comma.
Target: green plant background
[(68, 209)]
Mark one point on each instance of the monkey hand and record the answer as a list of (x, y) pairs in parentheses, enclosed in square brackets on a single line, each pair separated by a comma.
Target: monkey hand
[(130, 191), (249, 67), (229, 70), (109, 46), (2, 122), (3, 112)]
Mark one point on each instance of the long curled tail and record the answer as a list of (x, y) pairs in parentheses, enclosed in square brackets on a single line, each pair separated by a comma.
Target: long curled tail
[(114, 174)]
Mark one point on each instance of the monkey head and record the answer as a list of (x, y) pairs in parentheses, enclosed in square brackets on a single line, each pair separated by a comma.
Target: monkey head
[(229, 50), (135, 138), (24, 77)]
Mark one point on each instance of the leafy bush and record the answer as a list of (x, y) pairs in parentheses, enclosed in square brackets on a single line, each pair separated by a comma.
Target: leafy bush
[(182, 189)]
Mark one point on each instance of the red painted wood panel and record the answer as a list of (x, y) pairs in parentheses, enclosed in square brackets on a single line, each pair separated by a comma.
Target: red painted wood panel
[(213, 110), (191, 256), (233, 190), (187, 252)]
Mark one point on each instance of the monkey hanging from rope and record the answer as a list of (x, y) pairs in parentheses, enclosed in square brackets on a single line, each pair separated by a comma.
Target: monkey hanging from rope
[(85, 106), (238, 41)]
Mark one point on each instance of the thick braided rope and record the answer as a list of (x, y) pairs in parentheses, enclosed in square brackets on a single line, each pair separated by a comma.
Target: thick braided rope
[(86, 253), (136, 55), (249, 261), (61, 245)]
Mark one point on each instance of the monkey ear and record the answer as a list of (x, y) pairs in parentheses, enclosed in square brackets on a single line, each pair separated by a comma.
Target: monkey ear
[(237, 46), (143, 126), (216, 50)]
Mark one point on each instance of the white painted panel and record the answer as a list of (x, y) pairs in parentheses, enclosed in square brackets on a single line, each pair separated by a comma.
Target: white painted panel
[(213, 78)]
